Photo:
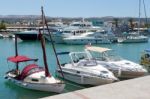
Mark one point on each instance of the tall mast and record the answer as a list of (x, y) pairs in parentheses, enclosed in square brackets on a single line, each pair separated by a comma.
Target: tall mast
[(53, 46), (44, 54), (139, 25), (43, 47), (145, 12), (16, 46)]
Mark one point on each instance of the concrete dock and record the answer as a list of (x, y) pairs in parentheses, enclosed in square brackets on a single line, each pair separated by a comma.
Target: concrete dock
[(138, 88)]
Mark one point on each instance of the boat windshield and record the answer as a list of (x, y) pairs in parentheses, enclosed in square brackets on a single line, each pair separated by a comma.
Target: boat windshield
[(112, 58), (87, 63), (76, 56), (106, 56)]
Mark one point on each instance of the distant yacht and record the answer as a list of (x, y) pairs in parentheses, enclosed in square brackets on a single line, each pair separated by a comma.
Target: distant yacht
[(86, 38), (28, 35), (75, 28)]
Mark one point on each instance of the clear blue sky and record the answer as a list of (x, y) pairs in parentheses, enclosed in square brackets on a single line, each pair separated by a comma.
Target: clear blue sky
[(73, 8)]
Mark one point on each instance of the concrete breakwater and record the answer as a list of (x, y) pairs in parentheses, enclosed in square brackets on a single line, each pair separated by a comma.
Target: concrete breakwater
[(138, 88)]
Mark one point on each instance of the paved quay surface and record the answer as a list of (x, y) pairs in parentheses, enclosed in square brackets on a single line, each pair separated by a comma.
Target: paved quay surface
[(138, 88)]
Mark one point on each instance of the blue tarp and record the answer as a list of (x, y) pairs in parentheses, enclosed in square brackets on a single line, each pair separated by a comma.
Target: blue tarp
[(62, 53)]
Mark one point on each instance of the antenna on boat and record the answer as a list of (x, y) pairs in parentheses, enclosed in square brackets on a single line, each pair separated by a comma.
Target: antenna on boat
[(53, 46), (139, 16)]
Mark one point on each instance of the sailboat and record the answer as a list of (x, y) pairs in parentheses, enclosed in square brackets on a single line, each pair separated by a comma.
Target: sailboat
[(134, 37), (33, 76)]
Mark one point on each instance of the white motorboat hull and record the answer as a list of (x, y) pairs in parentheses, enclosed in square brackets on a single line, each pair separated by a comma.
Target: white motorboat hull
[(56, 38), (53, 87), (128, 74), (84, 79), (86, 41), (125, 73)]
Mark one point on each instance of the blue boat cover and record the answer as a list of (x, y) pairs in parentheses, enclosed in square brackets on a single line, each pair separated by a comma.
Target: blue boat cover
[(63, 53), (147, 50)]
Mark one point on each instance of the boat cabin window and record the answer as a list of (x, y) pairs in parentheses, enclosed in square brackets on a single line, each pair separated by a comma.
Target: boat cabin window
[(75, 25), (66, 31), (104, 72), (105, 56), (34, 79), (88, 63)]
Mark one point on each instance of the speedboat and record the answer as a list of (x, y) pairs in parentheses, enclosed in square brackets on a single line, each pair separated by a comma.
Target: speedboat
[(122, 68), (33, 76), (145, 59), (84, 71)]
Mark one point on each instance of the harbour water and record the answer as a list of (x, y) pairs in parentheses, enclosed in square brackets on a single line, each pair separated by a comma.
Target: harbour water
[(131, 51)]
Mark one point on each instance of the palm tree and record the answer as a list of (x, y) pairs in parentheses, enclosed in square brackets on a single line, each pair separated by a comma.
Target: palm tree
[(116, 22)]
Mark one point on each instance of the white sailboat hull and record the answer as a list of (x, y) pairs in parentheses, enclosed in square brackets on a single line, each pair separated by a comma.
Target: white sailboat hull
[(53, 87), (133, 40)]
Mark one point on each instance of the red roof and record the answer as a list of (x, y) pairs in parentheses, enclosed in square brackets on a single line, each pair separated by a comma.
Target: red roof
[(17, 59)]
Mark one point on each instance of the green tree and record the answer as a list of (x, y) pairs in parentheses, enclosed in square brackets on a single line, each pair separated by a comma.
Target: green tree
[(2, 25), (116, 20), (131, 23)]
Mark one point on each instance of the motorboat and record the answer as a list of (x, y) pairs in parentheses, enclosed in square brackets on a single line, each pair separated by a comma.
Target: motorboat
[(122, 68), (86, 25), (88, 37), (83, 71), (74, 29), (145, 59), (64, 33)]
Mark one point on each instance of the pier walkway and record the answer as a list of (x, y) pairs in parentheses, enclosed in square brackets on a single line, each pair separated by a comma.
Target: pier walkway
[(138, 88)]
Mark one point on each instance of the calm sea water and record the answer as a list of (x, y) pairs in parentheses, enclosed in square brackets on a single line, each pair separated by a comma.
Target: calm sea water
[(33, 49)]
